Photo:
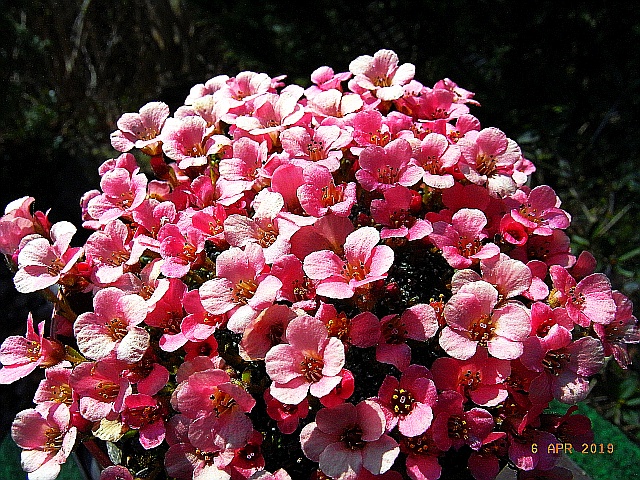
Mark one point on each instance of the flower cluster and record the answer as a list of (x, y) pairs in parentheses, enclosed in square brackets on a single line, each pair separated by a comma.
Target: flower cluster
[(348, 281)]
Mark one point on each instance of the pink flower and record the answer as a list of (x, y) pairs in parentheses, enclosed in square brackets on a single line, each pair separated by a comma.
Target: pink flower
[(384, 167), (184, 140), (480, 378), (381, 74), (437, 158), (310, 361), (319, 195), (113, 327), (362, 330), (41, 265), (474, 319), (140, 130), (22, 355), (116, 472), (488, 158), (322, 146), (240, 289), (393, 214), (324, 79), (143, 413), (168, 313), (408, 403), (455, 427), (297, 288), (123, 192), (265, 331), (621, 331), (218, 409), (461, 241), (245, 167), (179, 249), (199, 325), (422, 456), (563, 365), (540, 212), (589, 300), (286, 416), (18, 222), (347, 439), (46, 437), (109, 250), (365, 262), (419, 322)]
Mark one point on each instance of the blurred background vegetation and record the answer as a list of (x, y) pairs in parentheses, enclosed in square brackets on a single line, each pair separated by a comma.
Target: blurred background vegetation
[(561, 78)]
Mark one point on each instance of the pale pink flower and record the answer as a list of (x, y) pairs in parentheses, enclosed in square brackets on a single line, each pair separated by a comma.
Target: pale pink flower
[(123, 192), (242, 288), (323, 145), (46, 436), (22, 355), (543, 317), (408, 402), (539, 211), (113, 326), (327, 233), (41, 264), (141, 130), (334, 104), (488, 158), (109, 250), (55, 388), (384, 167), (324, 78), (364, 262), (437, 157), (348, 439), (199, 325), (310, 362), (18, 222), (461, 241), (218, 408), (246, 166), (184, 140), (393, 213), (381, 74), (319, 195), (265, 331), (589, 300), (474, 318)]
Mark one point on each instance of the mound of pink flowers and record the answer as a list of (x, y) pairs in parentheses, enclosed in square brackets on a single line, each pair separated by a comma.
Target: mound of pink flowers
[(348, 281)]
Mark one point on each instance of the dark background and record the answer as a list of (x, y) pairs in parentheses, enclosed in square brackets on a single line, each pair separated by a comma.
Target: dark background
[(561, 78)]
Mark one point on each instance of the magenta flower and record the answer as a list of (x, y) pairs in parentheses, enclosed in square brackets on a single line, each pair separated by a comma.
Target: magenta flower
[(310, 362), (422, 456), (381, 74), (143, 413), (384, 167), (123, 192), (141, 130), (347, 439), (41, 264), (474, 319), (46, 436), (297, 288), (168, 313), (408, 403), (22, 355), (113, 327), (287, 416), (365, 262), (240, 289), (461, 241), (180, 249), (455, 427)]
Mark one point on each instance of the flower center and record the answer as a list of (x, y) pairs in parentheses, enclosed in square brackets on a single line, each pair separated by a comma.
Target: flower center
[(486, 164), (311, 369), (457, 427), (352, 438), (554, 362), (468, 247), (303, 290), (388, 175), (221, 402), (401, 218), (402, 401), (331, 195), (421, 444), (116, 328), (54, 440), (339, 327), (61, 394), (482, 329), (107, 391), (315, 150), (355, 271), (244, 291), (379, 138), (470, 380), (382, 81), (577, 299), (394, 331), (55, 267), (267, 235), (34, 351)]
